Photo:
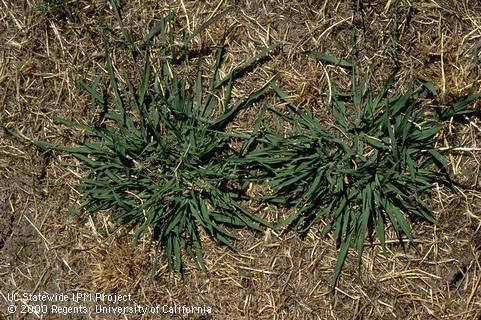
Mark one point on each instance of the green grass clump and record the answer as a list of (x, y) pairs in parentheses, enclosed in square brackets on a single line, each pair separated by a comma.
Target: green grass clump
[(373, 168), (58, 9), (162, 159)]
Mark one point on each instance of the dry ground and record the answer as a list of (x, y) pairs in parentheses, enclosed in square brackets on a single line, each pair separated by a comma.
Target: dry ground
[(45, 50)]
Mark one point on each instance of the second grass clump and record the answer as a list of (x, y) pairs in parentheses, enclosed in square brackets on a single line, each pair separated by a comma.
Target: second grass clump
[(372, 169)]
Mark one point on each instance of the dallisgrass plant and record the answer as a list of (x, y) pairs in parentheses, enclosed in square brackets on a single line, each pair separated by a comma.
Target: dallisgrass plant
[(162, 159), (370, 170)]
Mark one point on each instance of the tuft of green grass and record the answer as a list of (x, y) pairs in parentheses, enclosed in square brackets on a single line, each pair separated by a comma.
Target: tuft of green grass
[(59, 9), (371, 170), (162, 159)]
